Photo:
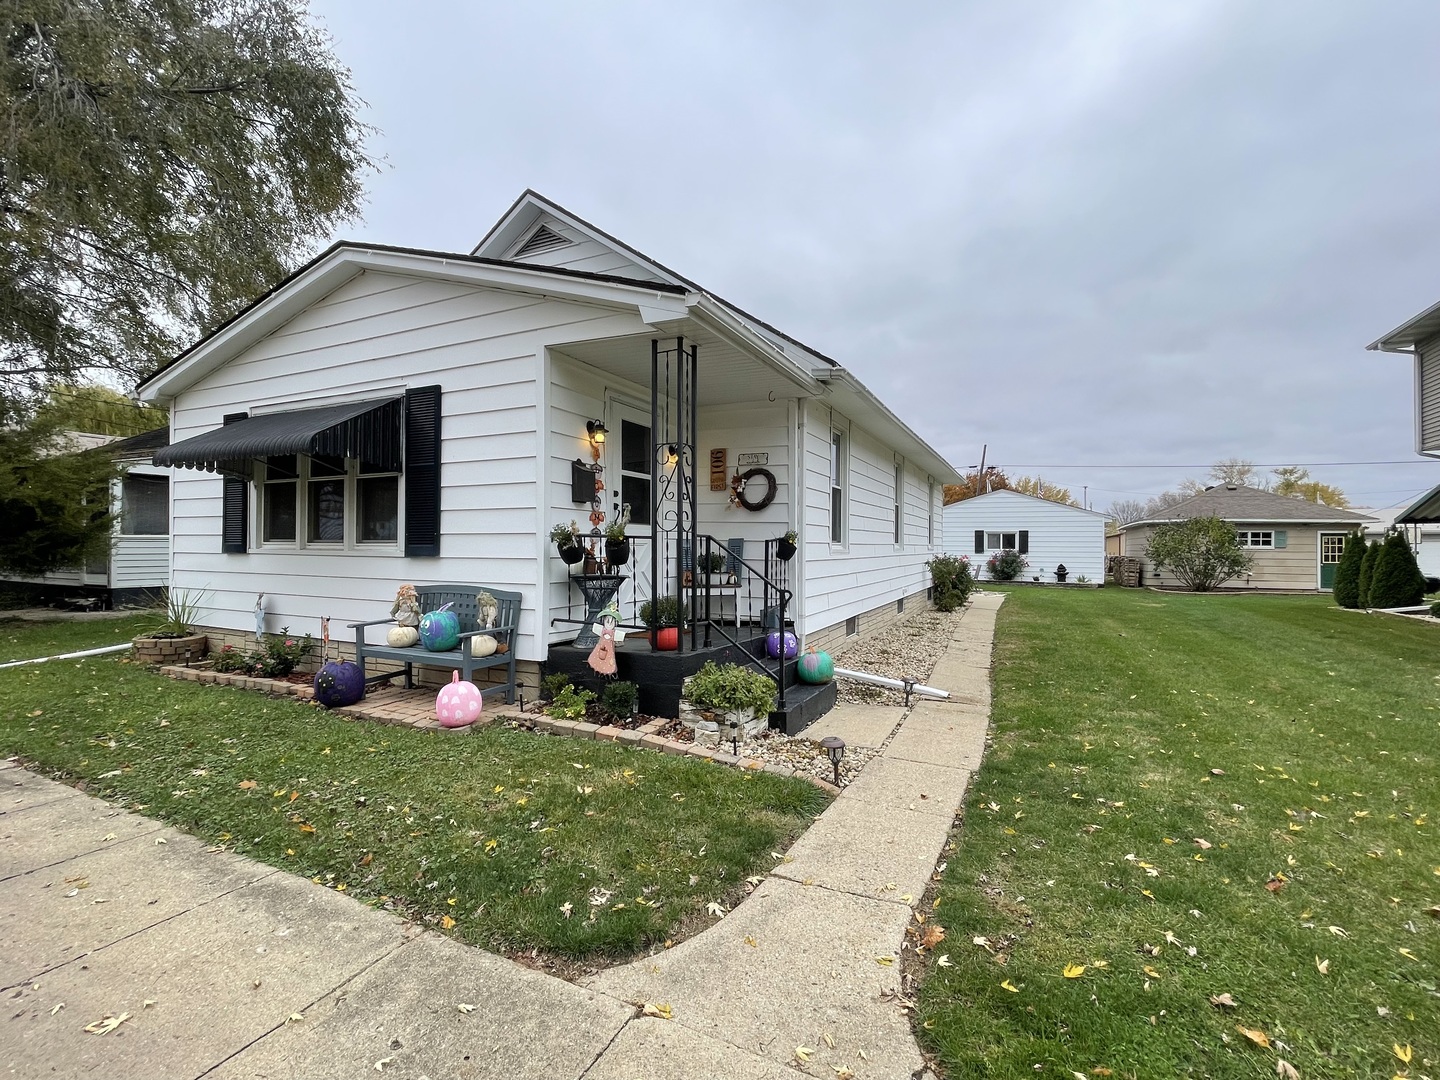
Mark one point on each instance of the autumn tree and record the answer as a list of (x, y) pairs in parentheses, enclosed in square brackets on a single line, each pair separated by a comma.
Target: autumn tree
[(974, 483), (1043, 489), (162, 162), (1294, 481)]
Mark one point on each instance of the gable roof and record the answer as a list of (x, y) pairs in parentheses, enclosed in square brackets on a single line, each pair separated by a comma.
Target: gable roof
[(525, 211), (1013, 494), (1251, 506)]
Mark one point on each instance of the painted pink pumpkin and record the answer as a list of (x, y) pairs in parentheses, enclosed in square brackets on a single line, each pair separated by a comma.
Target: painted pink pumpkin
[(459, 703)]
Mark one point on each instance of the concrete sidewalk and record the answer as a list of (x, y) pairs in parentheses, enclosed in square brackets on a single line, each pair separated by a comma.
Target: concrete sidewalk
[(231, 969)]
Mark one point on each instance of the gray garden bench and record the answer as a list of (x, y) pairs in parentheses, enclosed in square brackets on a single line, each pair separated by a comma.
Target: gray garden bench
[(461, 599)]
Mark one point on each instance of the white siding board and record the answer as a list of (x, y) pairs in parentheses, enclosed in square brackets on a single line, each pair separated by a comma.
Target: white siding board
[(1427, 360), (139, 562), (585, 253)]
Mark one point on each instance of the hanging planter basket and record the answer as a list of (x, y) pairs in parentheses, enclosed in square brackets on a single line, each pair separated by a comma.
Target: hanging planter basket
[(572, 555), (617, 552), (785, 549)]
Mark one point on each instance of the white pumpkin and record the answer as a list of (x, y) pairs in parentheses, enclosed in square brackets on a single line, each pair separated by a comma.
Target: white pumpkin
[(402, 637), (483, 645)]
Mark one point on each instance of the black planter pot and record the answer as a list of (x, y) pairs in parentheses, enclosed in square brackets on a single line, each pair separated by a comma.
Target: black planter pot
[(572, 555), (617, 552), (785, 549)]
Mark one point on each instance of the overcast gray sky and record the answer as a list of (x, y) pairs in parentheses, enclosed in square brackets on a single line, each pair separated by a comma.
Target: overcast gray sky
[(1085, 233)]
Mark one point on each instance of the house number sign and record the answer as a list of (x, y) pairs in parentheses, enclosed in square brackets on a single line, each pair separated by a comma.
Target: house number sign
[(753, 459), (719, 470)]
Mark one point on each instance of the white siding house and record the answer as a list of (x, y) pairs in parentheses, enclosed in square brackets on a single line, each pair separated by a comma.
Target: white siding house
[(1048, 534), (518, 350)]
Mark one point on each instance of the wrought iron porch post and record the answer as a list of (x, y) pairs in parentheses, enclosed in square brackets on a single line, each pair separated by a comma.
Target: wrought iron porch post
[(655, 525)]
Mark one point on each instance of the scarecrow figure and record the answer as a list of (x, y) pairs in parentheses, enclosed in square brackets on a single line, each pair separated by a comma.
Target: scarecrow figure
[(406, 609), (602, 657)]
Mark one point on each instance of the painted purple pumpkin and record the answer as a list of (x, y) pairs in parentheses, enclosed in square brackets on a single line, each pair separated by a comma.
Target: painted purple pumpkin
[(339, 683), (773, 645), (459, 703), (816, 667)]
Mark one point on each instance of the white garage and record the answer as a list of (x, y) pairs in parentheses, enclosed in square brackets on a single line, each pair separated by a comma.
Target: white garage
[(1048, 534)]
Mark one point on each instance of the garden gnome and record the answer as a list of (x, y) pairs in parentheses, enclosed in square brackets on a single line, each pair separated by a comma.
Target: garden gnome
[(602, 657), (406, 609), (260, 617)]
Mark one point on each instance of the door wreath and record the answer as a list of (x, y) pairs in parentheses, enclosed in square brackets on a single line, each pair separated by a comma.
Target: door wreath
[(740, 483)]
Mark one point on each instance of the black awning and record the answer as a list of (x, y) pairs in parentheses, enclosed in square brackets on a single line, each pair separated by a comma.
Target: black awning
[(1423, 511), (369, 430)]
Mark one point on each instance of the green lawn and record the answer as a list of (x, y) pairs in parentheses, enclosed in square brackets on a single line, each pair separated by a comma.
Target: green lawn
[(585, 850), (24, 640), (1251, 778)]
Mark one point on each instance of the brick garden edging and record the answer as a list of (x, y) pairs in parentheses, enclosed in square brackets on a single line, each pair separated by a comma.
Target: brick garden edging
[(645, 736)]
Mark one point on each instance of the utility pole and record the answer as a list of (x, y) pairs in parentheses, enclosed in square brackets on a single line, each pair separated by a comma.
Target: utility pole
[(980, 476)]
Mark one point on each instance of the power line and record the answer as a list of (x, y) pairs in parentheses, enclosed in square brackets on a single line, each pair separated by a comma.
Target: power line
[(1253, 465)]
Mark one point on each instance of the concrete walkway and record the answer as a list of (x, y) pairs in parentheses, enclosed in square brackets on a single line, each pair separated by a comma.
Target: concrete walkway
[(230, 969)]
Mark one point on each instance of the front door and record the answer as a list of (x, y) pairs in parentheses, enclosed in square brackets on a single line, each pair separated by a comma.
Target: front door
[(1332, 546)]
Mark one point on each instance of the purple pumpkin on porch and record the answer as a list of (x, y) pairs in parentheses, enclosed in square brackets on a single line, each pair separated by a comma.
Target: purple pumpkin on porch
[(440, 630), (816, 667), (339, 683), (773, 644), (459, 703)]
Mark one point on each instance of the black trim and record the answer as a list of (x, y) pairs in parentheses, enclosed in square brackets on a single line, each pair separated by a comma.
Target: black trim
[(368, 430), (234, 506), (979, 541), (422, 471), (1024, 542)]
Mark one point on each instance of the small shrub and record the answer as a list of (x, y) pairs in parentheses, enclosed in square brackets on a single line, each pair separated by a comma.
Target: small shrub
[(569, 704), (1396, 581), (231, 659), (661, 611), (284, 654), (619, 699), (1005, 565), (1435, 609), (1367, 571), (1347, 574), (952, 581), (730, 687), (1432, 585), (1203, 552), (551, 685)]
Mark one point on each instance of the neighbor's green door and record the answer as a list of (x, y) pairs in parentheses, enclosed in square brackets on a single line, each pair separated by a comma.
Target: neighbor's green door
[(1332, 546)]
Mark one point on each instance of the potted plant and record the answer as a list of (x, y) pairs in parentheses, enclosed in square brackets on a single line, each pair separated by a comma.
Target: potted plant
[(713, 563), (730, 692), (566, 538), (617, 545), (174, 639), (663, 616), (786, 546)]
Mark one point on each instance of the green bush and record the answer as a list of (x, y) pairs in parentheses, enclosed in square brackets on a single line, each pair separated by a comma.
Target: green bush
[(1367, 571), (1203, 552), (662, 611), (1396, 580), (729, 687), (1006, 565), (1347, 574), (551, 685), (619, 699), (951, 580), (280, 657), (569, 704)]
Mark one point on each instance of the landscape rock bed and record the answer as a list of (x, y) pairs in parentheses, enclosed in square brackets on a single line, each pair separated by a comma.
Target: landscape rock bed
[(906, 650)]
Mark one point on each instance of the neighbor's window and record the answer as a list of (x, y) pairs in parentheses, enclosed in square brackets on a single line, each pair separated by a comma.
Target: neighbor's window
[(1001, 541), (345, 501), (837, 486), (1256, 539), (144, 505), (899, 502)]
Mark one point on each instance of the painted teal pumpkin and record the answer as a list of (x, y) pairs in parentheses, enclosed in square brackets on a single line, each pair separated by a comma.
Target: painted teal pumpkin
[(440, 630), (816, 667)]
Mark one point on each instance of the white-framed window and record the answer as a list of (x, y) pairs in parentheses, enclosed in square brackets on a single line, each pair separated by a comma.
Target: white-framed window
[(899, 501), (930, 512), (1002, 541), (1256, 538), (327, 503), (839, 474)]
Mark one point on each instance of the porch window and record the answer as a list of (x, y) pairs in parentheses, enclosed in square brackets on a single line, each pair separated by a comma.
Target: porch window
[(899, 502), (144, 505), (838, 470), (1256, 538)]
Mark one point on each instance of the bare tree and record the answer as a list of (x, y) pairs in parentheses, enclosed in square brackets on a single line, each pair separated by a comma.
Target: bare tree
[(1238, 471), (1124, 511)]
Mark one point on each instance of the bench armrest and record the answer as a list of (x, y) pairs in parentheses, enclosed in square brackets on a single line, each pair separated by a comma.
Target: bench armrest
[(372, 622), (494, 631)]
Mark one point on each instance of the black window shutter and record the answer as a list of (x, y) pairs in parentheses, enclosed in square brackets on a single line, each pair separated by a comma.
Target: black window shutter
[(235, 504), (979, 541), (422, 470), (1024, 541)]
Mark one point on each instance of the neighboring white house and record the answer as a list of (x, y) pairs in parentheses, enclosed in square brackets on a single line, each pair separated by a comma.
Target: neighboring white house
[(389, 415), (1424, 539), (1049, 534), (138, 566)]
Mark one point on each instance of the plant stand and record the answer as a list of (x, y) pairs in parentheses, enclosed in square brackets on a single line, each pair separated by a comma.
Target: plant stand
[(598, 590)]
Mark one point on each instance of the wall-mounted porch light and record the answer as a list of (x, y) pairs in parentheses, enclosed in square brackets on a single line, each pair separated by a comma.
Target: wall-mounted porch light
[(596, 431), (835, 749), (672, 454)]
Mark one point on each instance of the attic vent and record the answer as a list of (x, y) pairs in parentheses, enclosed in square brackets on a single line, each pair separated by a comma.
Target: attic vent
[(542, 239)]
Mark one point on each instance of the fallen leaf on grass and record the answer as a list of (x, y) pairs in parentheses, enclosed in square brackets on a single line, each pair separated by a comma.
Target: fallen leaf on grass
[(943, 960), (1222, 1001), (110, 1023), (1275, 884), (1408, 955), (465, 1007), (657, 1009), (246, 785), (714, 908), (1073, 971), (57, 1008), (1338, 931), (1008, 985), (447, 923), (1404, 1053), (1258, 1037), (1203, 845), (932, 935), (1285, 1070), (566, 908), (1151, 972), (1322, 966)]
